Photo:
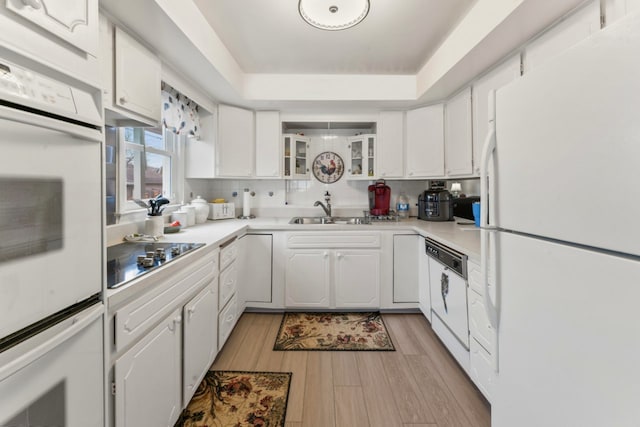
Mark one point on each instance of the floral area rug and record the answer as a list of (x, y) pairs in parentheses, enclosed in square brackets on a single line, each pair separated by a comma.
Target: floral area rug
[(333, 331), (238, 399)]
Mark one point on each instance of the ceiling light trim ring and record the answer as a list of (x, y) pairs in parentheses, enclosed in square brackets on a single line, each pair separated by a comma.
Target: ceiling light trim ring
[(313, 22)]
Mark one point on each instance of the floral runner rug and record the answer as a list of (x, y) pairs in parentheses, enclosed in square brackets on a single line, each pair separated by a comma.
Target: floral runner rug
[(333, 331), (238, 398)]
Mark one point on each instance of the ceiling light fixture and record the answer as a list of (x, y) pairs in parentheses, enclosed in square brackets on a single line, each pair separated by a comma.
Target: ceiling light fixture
[(333, 15)]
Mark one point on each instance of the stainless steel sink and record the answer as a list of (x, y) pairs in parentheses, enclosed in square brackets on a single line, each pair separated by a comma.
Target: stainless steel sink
[(327, 220)]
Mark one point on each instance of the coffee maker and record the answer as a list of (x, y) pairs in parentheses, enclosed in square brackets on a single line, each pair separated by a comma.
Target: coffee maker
[(379, 198)]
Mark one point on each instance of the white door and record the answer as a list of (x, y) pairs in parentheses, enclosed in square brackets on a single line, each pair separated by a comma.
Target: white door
[(268, 147), (564, 120), (424, 156), (390, 156), (74, 21), (200, 338), (137, 77), (307, 278), (406, 251), (50, 217), (357, 278), (424, 288), (568, 336), (254, 269), (148, 378), (458, 135), (235, 147), (449, 299)]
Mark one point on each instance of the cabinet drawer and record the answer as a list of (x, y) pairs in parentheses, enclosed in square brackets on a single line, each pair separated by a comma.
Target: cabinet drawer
[(228, 284), (481, 370), (226, 321), (329, 241), (228, 254), (479, 325), (136, 318), (475, 277)]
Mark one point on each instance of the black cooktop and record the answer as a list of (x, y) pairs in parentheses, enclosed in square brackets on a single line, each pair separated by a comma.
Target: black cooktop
[(126, 261)]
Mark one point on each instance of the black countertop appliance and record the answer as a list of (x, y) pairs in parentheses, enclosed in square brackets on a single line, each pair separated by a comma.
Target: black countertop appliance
[(435, 205)]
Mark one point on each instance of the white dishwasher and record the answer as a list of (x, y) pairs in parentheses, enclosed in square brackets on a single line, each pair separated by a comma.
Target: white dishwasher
[(448, 280)]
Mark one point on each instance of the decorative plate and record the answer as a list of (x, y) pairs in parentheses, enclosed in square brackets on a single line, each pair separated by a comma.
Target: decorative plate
[(328, 167)]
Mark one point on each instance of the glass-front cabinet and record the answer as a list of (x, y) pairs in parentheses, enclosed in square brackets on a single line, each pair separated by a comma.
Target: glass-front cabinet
[(296, 163), (362, 157)]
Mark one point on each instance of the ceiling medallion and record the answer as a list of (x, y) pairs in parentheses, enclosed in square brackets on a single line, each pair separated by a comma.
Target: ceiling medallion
[(333, 15)]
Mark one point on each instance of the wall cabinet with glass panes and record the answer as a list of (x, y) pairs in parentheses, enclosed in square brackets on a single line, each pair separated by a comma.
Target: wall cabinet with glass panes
[(362, 157), (296, 161)]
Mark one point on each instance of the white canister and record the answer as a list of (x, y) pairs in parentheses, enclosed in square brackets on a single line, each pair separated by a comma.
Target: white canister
[(202, 209), (191, 214), (154, 226), (180, 216)]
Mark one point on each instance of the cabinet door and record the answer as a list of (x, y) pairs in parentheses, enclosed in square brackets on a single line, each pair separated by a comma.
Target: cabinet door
[(200, 338), (616, 9), (307, 280), (74, 21), (575, 28), (361, 162), (390, 145), (425, 142), (267, 144), (148, 378), (357, 278), (254, 268), (405, 268), (457, 136), (424, 282), (296, 164), (235, 147), (503, 74), (137, 77)]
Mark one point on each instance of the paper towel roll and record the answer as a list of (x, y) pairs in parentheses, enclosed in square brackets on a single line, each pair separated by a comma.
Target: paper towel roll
[(246, 203)]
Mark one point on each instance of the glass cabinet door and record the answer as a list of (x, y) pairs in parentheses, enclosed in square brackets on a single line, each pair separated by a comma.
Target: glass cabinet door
[(296, 165), (362, 152)]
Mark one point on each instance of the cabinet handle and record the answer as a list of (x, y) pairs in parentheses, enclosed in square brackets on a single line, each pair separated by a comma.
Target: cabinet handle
[(410, 173), (339, 255), (36, 4), (190, 311), (123, 100), (325, 254)]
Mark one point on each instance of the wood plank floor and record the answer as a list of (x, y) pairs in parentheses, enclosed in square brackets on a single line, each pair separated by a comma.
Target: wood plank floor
[(418, 385)]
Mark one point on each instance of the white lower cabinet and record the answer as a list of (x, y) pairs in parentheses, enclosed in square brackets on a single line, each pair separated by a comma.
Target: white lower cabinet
[(229, 305), (307, 278), (332, 271), (255, 270), (357, 278), (148, 378), (227, 320), (424, 289), (482, 335), (405, 267), (200, 338)]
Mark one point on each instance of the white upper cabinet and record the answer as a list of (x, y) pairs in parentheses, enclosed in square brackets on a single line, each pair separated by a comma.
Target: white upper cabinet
[(362, 160), (391, 145), (503, 74), (457, 135), (296, 163), (616, 9), (74, 21), (235, 147), (268, 144), (137, 77), (425, 142), (576, 27)]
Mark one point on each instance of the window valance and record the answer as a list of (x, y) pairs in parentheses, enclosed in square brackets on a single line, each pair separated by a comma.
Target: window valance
[(179, 113)]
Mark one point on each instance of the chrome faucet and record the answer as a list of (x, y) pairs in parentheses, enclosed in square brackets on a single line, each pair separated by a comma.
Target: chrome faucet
[(326, 208)]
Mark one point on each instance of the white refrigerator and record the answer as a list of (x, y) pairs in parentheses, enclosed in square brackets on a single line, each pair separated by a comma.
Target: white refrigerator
[(562, 235)]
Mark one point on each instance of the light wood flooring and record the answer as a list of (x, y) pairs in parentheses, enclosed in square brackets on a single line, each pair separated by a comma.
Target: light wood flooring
[(418, 385)]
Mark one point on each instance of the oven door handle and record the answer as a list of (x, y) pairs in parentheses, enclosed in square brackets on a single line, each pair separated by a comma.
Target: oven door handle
[(45, 122), (69, 328)]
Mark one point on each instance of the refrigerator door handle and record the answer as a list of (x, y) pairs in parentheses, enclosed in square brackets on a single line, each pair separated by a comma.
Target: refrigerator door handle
[(487, 230)]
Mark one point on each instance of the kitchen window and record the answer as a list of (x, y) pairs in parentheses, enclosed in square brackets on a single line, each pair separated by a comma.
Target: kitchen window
[(151, 165)]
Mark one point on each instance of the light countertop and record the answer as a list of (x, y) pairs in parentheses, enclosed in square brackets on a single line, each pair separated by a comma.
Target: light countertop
[(463, 238)]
